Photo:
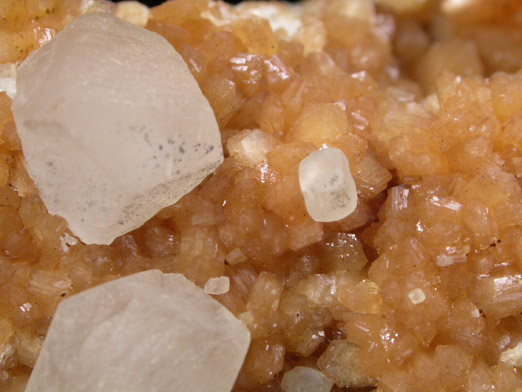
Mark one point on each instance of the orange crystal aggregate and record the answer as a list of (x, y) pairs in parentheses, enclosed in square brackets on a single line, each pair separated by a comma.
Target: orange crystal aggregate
[(420, 289)]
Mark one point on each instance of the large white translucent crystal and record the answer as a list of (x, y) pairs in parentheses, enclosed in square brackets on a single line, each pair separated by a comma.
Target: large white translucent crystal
[(113, 126), (327, 185), (305, 379), (149, 332)]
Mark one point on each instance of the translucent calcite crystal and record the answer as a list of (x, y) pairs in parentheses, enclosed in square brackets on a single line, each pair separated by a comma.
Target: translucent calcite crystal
[(145, 332), (327, 185), (305, 379), (113, 126)]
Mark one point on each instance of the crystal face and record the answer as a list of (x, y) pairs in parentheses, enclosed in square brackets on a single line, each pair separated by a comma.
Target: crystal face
[(141, 333), (327, 185), (113, 126), (305, 379)]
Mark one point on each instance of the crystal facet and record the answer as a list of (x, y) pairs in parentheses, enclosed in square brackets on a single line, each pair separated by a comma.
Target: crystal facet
[(305, 379), (146, 332), (113, 126), (327, 185)]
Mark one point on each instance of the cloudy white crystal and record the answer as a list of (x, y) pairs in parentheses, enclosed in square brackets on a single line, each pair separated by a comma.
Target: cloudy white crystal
[(217, 286), (512, 356), (305, 379), (8, 79), (327, 185), (113, 126), (149, 332)]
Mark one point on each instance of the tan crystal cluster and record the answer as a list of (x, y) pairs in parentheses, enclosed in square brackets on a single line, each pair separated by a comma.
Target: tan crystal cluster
[(419, 289)]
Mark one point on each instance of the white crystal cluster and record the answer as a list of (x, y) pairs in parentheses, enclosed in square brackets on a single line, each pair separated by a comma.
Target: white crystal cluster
[(149, 332), (327, 185), (113, 126)]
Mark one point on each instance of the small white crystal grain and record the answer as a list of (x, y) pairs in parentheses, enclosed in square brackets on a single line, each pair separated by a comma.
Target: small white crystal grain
[(327, 185), (133, 12), (8, 79), (512, 356), (149, 332), (305, 379), (417, 296), (217, 286), (250, 146), (113, 126)]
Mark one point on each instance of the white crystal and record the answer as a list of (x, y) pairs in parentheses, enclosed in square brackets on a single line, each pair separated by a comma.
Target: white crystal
[(250, 146), (146, 332), (305, 379), (327, 185), (113, 126), (217, 286), (283, 17), (417, 296), (512, 356), (133, 12), (8, 79)]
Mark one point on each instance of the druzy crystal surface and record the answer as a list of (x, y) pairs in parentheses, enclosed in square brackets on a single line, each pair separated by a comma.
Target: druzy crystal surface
[(143, 332), (327, 185), (113, 126)]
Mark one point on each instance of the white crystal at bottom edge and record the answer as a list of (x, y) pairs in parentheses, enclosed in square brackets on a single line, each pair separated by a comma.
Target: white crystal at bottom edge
[(148, 332), (305, 379)]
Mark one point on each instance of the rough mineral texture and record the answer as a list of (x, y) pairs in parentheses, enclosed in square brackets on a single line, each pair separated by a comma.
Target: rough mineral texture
[(113, 126), (141, 333), (421, 284)]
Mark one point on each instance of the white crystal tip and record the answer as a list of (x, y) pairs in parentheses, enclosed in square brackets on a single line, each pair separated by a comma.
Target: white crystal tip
[(327, 185)]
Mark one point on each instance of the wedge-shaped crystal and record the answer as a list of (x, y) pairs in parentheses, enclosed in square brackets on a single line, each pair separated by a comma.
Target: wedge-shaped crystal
[(327, 185), (113, 126), (149, 332)]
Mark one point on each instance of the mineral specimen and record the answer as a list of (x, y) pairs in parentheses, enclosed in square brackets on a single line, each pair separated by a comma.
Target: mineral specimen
[(327, 185), (113, 126), (141, 333)]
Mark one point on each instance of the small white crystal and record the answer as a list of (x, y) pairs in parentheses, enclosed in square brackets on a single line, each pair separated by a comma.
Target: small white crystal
[(8, 79), (146, 332), (327, 185), (113, 126), (217, 286), (250, 146), (512, 356), (417, 296), (283, 17), (305, 379), (133, 12)]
